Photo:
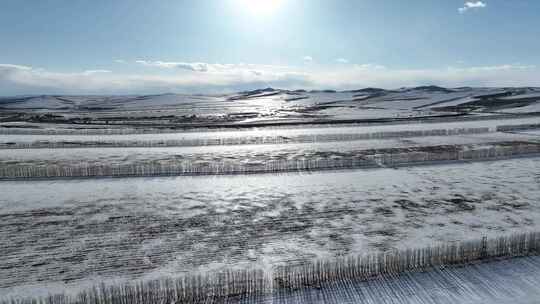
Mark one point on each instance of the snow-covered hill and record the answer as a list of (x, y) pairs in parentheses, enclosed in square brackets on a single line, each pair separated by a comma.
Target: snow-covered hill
[(267, 106)]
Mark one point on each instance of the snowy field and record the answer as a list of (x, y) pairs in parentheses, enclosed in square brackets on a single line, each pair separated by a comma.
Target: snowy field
[(501, 282), (74, 231), (267, 135), (479, 151), (263, 149)]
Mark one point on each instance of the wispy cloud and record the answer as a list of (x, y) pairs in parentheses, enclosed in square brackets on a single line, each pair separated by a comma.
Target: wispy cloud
[(472, 5), (308, 59), (504, 67), (8, 67), (90, 72), (372, 75), (370, 67), (20, 79), (194, 66), (119, 61), (213, 68), (342, 60)]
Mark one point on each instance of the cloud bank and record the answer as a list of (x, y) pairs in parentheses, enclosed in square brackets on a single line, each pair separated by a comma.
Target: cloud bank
[(195, 67), (218, 78), (472, 5)]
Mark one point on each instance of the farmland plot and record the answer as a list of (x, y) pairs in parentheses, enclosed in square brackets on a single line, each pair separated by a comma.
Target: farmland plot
[(75, 231), (423, 173)]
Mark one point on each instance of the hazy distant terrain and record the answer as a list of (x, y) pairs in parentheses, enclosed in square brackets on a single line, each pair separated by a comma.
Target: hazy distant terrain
[(261, 107)]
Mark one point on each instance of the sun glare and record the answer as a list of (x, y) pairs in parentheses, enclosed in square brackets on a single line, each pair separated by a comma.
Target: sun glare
[(259, 7)]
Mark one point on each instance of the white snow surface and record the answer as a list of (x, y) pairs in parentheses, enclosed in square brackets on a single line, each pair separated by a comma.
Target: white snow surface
[(274, 105), (71, 232), (61, 235), (501, 282)]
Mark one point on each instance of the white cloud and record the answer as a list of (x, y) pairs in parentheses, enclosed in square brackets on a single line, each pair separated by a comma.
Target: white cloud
[(504, 67), (16, 79), (342, 60), (90, 72), (370, 75), (8, 67), (308, 59), (214, 68), (20, 79), (472, 5), (370, 66), (194, 66), (119, 61)]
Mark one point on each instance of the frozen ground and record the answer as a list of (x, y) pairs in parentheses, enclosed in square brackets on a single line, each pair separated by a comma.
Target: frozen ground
[(58, 234), (259, 107), (259, 150), (262, 135), (240, 153), (74, 231), (511, 281)]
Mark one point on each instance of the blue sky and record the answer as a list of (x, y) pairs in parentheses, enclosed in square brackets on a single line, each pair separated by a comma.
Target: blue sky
[(152, 46)]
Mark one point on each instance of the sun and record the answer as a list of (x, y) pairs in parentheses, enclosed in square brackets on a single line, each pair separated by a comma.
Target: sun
[(259, 7)]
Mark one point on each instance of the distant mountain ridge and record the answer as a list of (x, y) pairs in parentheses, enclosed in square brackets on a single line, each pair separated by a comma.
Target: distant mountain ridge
[(375, 90), (269, 90)]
